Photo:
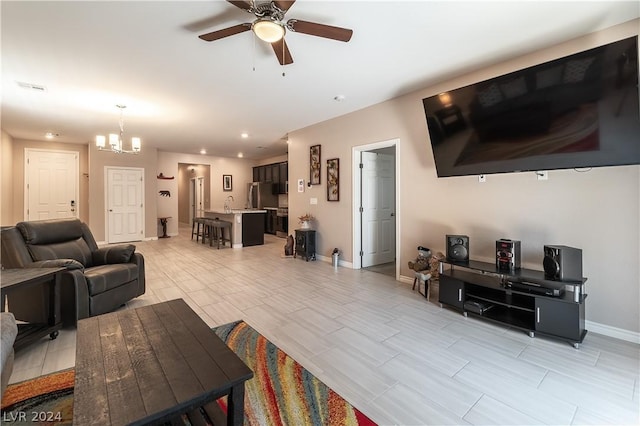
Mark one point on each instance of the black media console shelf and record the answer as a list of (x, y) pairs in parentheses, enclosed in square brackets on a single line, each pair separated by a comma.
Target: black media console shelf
[(481, 289)]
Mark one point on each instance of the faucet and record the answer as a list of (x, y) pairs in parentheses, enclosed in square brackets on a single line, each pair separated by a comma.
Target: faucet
[(227, 206)]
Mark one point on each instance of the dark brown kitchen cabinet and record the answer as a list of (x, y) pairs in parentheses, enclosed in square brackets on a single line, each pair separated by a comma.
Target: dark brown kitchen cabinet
[(271, 222), (277, 174)]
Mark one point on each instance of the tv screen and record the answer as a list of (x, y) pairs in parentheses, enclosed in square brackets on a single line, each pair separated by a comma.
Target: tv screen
[(574, 112)]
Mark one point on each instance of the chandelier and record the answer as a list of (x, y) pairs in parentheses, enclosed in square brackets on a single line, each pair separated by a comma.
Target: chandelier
[(115, 140)]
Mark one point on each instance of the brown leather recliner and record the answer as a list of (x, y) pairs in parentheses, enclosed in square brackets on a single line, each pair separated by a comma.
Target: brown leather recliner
[(96, 280)]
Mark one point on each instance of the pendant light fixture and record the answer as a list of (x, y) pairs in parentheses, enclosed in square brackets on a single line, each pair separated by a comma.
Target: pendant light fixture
[(116, 140)]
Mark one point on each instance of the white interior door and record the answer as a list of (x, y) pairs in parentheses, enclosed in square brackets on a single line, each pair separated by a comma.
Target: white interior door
[(51, 184), (125, 211), (192, 200), (378, 209), (200, 196), (196, 198)]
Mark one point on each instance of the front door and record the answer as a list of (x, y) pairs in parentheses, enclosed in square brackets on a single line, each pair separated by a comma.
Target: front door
[(51, 184), (378, 204), (125, 210)]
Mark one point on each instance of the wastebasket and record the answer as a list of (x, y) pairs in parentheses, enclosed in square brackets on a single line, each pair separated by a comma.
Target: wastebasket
[(334, 257)]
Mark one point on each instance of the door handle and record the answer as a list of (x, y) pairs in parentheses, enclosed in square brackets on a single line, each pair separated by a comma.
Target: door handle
[(393, 214), (110, 210)]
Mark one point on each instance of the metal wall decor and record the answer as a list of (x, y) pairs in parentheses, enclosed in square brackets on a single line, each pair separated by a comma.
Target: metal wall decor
[(333, 179), (314, 165)]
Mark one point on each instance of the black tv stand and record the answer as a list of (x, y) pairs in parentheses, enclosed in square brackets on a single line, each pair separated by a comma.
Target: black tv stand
[(484, 291)]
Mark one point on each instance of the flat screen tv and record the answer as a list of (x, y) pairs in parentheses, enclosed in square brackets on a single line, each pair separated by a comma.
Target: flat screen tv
[(573, 112)]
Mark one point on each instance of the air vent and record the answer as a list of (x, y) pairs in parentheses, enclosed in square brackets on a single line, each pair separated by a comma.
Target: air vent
[(32, 86)]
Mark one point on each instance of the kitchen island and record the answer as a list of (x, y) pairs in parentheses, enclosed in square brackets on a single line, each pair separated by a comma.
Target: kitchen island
[(247, 225)]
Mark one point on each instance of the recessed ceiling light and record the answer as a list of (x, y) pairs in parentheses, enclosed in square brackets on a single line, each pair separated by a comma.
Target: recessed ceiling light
[(244, 135), (50, 135), (203, 151), (240, 155)]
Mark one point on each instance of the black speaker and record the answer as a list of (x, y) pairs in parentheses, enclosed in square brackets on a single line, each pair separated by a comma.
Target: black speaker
[(457, 248), (562, 263), (507, 254)]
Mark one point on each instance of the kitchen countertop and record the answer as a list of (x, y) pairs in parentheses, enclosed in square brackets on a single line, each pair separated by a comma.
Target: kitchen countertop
[(235, 211)]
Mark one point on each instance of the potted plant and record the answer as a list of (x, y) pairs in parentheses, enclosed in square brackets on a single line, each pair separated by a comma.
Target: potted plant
[(305, 220)]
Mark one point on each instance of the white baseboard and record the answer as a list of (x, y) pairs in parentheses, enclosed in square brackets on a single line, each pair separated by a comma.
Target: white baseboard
[(405, 279), (615, 332), (104, 243), (327, 259)]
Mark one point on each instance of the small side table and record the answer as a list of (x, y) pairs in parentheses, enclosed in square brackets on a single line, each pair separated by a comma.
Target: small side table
[(305, 244), (11, 279), (163, 222)]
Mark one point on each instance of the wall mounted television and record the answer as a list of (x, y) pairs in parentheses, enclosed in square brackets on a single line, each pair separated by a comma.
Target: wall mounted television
[(578, 111)]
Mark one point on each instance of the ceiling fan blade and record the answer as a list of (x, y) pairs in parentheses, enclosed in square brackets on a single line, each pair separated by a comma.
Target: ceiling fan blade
[(245, 5), (216, 35), (320, 30), (283, 5), (281, 50)]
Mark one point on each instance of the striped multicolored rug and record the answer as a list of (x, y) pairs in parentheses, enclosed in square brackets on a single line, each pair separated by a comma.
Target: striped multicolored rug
[(282, 392)]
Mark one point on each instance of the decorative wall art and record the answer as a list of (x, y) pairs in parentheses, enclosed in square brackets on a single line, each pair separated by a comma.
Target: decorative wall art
[(314, 165), (227, 183), (333, 179)]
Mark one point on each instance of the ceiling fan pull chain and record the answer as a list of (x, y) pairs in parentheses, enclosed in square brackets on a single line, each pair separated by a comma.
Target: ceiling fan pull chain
[(283, 59), (253, 53)]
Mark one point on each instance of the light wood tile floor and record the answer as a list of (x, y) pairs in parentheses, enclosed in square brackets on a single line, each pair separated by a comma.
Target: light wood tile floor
[(386, 349)]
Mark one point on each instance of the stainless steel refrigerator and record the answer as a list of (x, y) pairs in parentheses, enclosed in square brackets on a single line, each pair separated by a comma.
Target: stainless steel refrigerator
[(260, 195)]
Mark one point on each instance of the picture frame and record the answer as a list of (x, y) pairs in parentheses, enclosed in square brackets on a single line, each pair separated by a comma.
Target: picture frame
[(333, 179), (314, 165), (227, 183)]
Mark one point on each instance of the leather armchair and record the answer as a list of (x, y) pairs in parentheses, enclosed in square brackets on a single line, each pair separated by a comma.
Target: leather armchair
[(96, 280)]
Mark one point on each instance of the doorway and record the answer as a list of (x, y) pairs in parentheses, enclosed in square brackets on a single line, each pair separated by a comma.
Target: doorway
[(194, 191), (196, 198), (50, 184), (375, 200)]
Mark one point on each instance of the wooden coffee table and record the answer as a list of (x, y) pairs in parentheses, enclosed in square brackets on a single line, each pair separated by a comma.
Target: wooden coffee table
[(153, 364)]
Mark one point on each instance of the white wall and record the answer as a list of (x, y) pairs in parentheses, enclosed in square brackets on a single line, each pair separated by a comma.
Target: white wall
[(597, 211), (6, 178)]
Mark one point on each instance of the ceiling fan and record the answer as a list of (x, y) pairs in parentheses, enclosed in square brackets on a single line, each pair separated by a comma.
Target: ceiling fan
[(269, 26)]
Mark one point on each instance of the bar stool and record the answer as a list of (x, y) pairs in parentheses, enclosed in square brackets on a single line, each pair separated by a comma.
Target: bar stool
[(208, 230), (217, 231), (195, 227), (423, 277)]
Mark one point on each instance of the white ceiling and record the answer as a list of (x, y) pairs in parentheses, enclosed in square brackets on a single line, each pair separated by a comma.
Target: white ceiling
[(184, 94)]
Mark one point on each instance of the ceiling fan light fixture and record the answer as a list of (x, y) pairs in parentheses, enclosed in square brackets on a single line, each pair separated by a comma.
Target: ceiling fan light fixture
[(268, 30)]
